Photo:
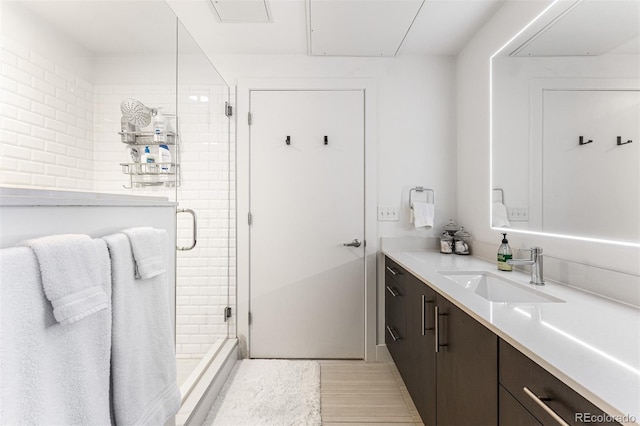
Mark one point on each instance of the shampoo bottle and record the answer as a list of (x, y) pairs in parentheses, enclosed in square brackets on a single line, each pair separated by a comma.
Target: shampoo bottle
[(164, 155), (160, 127), (148, 160), (504, 254)]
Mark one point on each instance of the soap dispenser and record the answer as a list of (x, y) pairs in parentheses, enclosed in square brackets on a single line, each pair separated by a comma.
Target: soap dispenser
[(504, 254)]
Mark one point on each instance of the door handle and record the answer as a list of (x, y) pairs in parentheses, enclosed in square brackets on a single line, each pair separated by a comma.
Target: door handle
[(354, 243), (195, 228)]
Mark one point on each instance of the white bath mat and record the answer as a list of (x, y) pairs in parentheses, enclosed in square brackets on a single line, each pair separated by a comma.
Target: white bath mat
[(269, 392)]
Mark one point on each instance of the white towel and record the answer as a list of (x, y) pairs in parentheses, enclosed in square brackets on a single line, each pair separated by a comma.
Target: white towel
[(499, 216), (422, 214), (143, 365), (52, 374), (147, 253), (70, 275)]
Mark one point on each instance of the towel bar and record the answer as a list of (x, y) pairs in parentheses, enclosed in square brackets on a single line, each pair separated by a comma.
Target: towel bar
[(421, 189)]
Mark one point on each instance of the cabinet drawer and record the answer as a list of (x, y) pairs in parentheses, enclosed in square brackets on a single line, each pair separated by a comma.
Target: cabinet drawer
[(517, 372), (511, 412)]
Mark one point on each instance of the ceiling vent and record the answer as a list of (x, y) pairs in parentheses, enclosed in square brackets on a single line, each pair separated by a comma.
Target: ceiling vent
[(241, 11)]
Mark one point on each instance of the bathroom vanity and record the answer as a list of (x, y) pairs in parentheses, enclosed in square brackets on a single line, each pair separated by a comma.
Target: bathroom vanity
[(479, 346)]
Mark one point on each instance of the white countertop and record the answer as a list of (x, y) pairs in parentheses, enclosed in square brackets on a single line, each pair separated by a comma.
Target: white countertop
[(590, 343)]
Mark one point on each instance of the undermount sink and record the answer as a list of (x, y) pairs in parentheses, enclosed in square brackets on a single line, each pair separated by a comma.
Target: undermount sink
[(496, 288)]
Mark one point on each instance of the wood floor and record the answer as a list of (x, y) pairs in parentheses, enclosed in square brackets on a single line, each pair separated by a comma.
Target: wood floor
[(358, 393)]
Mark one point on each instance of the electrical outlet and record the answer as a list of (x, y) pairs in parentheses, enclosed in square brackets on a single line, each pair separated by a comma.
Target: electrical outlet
[(518, 214), (387, 214)]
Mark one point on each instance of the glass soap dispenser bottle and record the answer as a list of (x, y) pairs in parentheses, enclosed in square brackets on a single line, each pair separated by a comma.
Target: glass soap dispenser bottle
[(504, 254)]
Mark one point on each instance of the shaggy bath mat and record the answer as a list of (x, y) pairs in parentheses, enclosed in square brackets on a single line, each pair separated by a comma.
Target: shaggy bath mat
[(269, 392)]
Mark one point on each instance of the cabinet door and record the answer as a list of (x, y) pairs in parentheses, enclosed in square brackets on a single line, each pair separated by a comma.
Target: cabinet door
[(421, 357), (467, 377), (512, 413), (395, 296)]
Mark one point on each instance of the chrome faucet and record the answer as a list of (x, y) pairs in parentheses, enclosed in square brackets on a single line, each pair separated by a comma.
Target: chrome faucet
[(536, 265)]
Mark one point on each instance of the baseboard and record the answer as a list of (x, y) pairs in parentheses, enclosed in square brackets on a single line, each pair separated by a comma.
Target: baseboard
[(382, 354), (196, 406)]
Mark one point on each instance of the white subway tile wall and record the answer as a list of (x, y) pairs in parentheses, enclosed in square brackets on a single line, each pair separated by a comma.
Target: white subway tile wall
[(60, 131), (46, 129)]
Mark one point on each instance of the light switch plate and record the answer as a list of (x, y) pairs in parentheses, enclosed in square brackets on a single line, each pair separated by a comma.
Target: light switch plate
[(387, 214)]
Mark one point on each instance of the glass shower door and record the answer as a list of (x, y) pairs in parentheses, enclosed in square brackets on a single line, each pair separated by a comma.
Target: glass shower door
[(204, 153)]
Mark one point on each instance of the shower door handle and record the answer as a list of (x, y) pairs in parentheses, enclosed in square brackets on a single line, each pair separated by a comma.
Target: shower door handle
[(354, 243), (195, 228)]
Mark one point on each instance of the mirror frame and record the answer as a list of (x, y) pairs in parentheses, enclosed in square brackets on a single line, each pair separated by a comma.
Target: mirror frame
[(551, 13)]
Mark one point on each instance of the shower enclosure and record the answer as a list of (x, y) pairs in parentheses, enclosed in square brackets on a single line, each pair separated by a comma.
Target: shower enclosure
[(67, 67)]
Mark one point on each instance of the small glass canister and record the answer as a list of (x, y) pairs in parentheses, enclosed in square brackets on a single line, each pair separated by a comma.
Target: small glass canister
[(446, 243), (461, 242)]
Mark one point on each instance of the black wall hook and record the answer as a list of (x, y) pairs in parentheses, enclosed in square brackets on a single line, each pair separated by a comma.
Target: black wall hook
[(582, 142), (326, 140), (288, 140), (623, 143)]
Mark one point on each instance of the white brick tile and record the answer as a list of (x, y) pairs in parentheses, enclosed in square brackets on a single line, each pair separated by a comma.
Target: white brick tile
[(15, 178), (7, 163), (15, 74), (15, 100), (63, 182), (31, 118), (43, 157), (29, 92), (9, 58), (42, 180), (14, 126), (52, 170), (43, 86), (42, 133), (30, 142), (65, 161), (64, 73), (65, 96), (8, 111), (14, 47), (30, 68), (30, 167), (55, 125), (6, 84), (43, 110), (56, 148), (55, 103), (54, 79)]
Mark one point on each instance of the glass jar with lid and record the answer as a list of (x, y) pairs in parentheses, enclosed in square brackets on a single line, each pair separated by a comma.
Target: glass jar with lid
[(462, 241), (446, 243)]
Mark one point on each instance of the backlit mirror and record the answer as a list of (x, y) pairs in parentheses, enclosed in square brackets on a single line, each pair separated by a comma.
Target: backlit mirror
[(565, 127)]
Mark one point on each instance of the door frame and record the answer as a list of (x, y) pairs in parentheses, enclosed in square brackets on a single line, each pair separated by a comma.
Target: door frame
[(243, 168)]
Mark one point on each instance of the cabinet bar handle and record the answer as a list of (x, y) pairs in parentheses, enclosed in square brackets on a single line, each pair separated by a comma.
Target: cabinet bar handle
[(394, 273), (538, 400), (437, 328), (424, 326), (393, 336), (393, 291), (425, 302)]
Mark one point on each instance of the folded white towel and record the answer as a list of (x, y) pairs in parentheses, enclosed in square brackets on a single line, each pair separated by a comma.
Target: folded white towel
[(147, 253), (52, 374), (423, 214), (70, 275), (499, 216), (143, 365)]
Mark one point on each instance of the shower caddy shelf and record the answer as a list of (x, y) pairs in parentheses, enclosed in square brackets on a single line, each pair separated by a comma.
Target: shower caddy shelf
[(151, 174)]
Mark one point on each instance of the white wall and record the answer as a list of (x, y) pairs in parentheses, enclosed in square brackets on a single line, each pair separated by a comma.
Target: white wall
[(564, 256), (416, 126)]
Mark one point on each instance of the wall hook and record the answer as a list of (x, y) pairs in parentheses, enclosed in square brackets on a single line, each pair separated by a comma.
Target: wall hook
[(623, 143), (326, 140), (288, 140), (582, 142)]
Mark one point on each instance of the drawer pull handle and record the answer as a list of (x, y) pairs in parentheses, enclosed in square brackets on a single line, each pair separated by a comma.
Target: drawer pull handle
[(394, 273), (436, 324), (393, 335), (425, 327), (393, 291), (539, 401)]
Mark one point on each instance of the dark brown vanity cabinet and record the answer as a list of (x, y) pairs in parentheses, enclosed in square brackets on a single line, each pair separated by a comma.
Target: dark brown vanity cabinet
[(530, 395), (447, 359)]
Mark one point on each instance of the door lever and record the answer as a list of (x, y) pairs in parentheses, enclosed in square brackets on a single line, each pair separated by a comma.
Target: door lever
[(354, 243)]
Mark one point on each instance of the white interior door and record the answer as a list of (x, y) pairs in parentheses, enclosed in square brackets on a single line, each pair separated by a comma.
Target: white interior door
[(307, 200)]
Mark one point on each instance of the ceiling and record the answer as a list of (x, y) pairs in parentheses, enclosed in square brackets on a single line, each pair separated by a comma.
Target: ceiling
[(441, 27)]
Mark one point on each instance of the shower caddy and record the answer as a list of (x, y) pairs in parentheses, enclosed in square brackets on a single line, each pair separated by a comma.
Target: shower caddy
[(151, 174)]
